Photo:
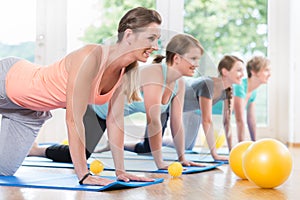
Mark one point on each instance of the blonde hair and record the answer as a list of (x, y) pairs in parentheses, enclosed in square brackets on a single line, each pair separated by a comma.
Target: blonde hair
[(135, 19), (256, 64), (131, 83)]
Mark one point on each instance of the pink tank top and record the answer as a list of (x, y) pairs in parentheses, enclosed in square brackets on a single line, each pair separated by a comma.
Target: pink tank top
[(43, 88)]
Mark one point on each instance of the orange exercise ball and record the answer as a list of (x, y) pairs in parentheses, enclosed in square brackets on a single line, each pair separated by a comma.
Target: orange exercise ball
[(267, 163), (235, 158)]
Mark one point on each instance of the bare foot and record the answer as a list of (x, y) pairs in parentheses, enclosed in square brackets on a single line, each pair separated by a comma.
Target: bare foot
[(36, 150), (168, 142), (103, 149), (220, 158)]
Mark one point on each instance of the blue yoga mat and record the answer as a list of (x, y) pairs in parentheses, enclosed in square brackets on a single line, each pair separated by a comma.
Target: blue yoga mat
[(132, 165), (169, 154), (221, 151), (201, 158), (65, 182), (191, 170), (138, 165)]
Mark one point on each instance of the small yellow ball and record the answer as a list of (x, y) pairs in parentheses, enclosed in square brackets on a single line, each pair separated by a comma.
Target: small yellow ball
[(175, 169), (65, 142), (96, 167)]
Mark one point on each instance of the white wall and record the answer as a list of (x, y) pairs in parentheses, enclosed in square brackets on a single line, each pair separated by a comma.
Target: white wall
[(51, 43), (284, 88), (295, 68), (172, 13), (172, 18)]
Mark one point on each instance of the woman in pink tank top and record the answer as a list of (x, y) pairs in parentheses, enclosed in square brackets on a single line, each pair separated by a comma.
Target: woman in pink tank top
[(90, 75)]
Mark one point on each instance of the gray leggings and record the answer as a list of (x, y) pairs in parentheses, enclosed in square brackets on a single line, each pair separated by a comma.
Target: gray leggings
[(191, 123), (19, 126)]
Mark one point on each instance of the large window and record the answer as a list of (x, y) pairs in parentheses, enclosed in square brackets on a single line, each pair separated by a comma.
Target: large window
[(18, 22), (222, 26), (97, 20), (230, 27)]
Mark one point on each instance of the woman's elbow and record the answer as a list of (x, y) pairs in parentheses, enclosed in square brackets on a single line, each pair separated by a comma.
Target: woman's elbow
[(207, 122), (226, 122), (154, 122), (240, 122), (70, 121)]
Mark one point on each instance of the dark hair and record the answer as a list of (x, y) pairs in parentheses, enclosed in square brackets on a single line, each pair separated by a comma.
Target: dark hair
[(158, 59), (227, 63), (256, 64), (137, 18), (228, 92), (179, 44)]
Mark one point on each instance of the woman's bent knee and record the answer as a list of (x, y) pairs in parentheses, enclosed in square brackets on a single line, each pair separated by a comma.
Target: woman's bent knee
[(7, 170)]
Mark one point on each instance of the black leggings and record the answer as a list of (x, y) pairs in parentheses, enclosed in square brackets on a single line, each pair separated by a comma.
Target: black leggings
[(94, 129), (144, 147)]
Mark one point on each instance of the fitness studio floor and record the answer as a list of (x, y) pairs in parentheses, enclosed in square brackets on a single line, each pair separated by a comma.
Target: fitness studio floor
[(220, 183)]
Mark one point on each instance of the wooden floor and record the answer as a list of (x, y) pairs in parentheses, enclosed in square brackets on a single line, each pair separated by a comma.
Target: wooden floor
[(216, 184)]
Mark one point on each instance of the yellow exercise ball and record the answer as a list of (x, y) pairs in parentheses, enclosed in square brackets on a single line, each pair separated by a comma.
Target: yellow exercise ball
[(236, 157), (219, 138), (65, 142), (96, 167), (267, 163), (175, 169)]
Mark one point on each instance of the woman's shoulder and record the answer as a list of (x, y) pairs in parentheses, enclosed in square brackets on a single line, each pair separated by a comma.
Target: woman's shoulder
[(87, 50), (202, 80), (90, 52), (151, 72), (151, 67)]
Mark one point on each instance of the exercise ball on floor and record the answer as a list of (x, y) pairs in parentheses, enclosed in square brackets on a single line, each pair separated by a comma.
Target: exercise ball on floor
[(219, 135), (267, 163), (235, 158), (220, 138)]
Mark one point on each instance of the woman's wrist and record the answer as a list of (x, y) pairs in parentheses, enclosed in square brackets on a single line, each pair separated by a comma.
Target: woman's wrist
[(160, 164), (119, 172), (84, 177), (181, 158)]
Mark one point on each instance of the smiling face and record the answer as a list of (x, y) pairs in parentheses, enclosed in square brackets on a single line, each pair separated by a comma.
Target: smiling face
[(263, 74), (235, 74), (143, 42), (258, 69), (189, 61)]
